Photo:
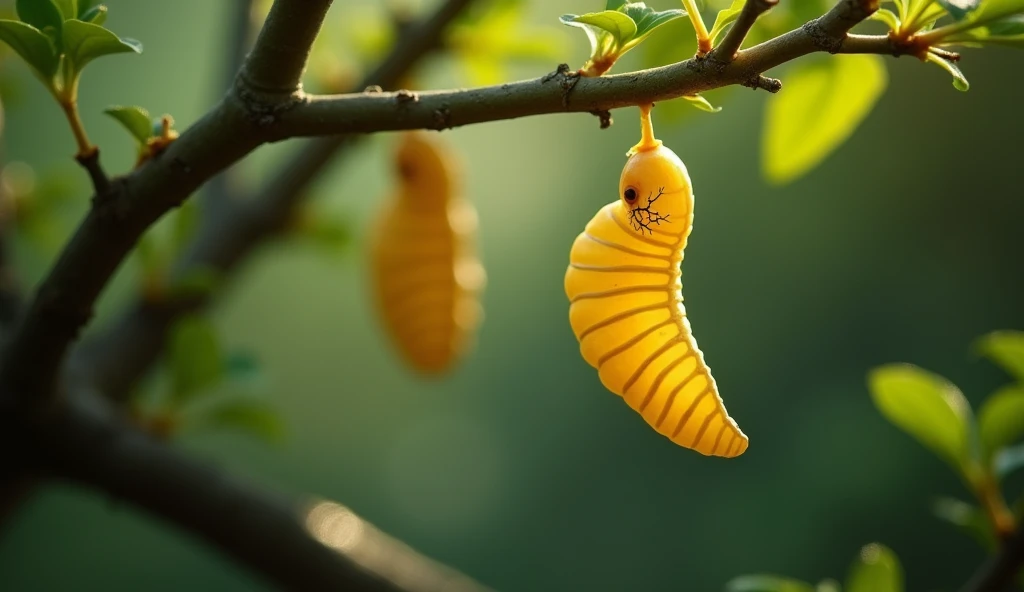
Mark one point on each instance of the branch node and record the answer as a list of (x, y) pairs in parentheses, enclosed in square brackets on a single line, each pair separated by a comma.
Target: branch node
[(568, 82), (605, 116), (751, 11), (91, 163), (772, 85), (404, 96), (263, 108), (442, 119)]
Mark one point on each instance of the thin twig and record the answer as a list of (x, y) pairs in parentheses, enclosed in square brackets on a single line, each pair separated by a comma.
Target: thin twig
[(751, 11)]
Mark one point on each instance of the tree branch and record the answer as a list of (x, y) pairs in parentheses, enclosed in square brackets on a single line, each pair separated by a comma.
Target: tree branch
[(752, 10), (296, 546), (279, 55), (997, 574)]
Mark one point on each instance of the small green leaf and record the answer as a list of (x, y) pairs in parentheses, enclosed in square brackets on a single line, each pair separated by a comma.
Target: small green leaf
[(967, 518), (253, 417), (767, 583), (1006, 349), (823, 104), (888, 17), (84, 6), (195, 357), (40, 14), (613, 4), (133, 119), (701, 103), (647, 19), (32, 45), (96, 15), (84, 42), (1001, 419), (926, 406), (1008, 460), (876, 569), (959, 9), (619, 25), (68, 8), (726, 17), (959, 81)]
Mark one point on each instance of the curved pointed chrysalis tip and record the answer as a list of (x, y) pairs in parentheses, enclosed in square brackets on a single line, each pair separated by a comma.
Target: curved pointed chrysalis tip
[(647, 139)]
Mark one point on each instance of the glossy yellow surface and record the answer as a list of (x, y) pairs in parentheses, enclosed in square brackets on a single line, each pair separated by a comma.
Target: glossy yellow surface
[(626, 304), (426, 275)]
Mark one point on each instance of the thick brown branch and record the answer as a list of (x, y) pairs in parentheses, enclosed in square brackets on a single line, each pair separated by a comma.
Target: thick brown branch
[(296, 546), (752, 9)]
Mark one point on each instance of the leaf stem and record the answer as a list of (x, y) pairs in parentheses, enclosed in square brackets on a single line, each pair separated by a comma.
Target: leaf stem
[(995, 506), (703, 38), (67, 97)]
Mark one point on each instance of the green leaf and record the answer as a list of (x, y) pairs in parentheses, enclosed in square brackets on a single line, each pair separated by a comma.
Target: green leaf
[(888, 17), (1008, 460), (84, 42), (1001, 419), (614, 4), (959, 9), (32, 45), (253, 417), (619, 25), (967, 518), (725, 18), (959, 81), (822, 105), (926, 406), (68, 8), (85, 6), (134, 119), (647, 19), (767, 583), (701, 103), (195, 357), (40, 14), (96, 15), (607, 31), (1005, 349), (876, 569)]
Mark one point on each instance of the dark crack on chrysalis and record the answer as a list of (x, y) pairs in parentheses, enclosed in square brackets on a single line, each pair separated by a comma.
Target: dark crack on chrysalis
[(643, 218)]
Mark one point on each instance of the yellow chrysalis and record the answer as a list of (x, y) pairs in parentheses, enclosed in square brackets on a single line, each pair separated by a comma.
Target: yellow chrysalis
[(626, 303), (426, 275)]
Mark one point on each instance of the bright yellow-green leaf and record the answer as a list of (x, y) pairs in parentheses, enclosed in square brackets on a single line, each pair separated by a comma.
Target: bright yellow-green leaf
[(1001, 419), (926, 406), (888, 17), (876, 569), (821, 104), (725, 18), (701, 103), (959, 80), (1005, 348)]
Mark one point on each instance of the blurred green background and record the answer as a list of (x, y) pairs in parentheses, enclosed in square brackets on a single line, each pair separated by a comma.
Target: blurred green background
[(520, 469)]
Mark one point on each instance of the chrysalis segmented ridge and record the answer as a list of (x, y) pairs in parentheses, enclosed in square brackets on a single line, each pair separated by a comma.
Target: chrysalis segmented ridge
[(626, 308)]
